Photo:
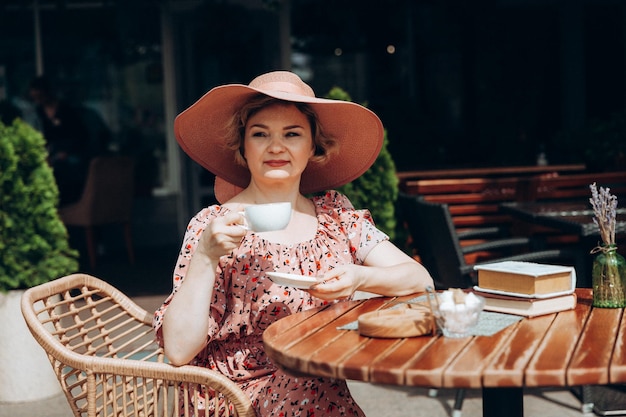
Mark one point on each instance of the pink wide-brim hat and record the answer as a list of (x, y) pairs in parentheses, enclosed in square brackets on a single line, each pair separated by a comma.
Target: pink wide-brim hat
[(201, 132)]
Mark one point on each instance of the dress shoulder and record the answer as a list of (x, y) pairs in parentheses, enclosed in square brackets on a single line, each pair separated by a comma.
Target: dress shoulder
[(337, 216), (333, 199)]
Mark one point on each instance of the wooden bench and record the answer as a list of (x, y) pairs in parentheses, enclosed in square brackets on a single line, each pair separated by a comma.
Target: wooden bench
[(474, 206), (474, 203), (575, 186), (474, 194), (489, 172)]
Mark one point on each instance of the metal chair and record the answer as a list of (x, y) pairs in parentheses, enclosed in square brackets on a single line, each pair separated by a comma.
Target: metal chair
[(438, 244), (106, 199), (102, 349)]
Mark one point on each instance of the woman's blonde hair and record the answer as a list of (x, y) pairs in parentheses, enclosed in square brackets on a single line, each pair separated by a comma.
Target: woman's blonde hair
[(323, 145)]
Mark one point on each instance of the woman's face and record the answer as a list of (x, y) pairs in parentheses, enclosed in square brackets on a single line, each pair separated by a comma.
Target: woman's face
[(278, 143)]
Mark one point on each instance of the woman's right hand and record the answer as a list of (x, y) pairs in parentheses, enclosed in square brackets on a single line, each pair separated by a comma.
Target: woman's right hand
[(222, 236)]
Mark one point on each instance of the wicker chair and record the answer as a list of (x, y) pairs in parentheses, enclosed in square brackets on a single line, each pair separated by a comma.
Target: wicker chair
[(102, 349)]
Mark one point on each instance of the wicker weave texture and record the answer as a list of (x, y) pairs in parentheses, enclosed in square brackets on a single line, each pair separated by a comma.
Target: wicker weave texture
[(102, 349)]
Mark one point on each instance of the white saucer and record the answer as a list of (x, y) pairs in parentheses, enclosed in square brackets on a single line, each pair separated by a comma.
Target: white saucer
[(292, 280)]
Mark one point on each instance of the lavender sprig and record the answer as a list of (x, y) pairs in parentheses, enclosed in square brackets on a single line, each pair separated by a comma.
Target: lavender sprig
[(604, 206)]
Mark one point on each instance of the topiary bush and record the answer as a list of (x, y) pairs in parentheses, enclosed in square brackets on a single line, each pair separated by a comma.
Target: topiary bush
[(34, 244), (377, 188)]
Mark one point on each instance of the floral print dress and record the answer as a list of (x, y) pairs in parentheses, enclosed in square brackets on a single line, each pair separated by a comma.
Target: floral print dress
[(245, 302)]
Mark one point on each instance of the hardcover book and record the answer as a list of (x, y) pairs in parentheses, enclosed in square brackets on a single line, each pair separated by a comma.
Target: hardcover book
[(528, 307), (526, 279)]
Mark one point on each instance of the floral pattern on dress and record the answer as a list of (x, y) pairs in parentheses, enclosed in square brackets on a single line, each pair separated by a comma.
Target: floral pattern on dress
[(245, 302)]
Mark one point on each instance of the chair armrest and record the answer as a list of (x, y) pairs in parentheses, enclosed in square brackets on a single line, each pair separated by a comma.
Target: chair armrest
[(101, 347), (480, 232), (143, 379), (496, 244), (163, 371), (174, 380)]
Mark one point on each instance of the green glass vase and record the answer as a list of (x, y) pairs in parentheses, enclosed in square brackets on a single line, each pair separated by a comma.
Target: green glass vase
[(609, 278)]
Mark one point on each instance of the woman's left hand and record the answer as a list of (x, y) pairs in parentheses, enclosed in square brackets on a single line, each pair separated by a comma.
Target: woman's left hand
[(340, 283)]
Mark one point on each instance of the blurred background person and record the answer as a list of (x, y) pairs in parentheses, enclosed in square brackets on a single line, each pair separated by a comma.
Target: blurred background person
[(73, 133)]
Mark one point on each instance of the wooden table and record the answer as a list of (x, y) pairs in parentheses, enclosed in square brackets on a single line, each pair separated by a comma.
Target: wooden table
[(577, 347), (570, 218)]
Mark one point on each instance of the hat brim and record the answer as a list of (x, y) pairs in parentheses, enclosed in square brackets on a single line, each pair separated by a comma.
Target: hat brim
[(201, 132)]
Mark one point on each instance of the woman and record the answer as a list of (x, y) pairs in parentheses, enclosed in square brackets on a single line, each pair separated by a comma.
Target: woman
[(267, 142)]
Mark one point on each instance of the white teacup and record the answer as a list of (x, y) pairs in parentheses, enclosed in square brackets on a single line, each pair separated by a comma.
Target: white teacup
[(267, 217)]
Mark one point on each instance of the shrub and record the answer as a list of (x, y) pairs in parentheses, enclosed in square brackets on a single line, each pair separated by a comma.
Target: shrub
[(34, 245), (377, 188)]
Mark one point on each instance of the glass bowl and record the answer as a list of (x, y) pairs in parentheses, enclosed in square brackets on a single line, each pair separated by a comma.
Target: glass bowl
[(457, 313)]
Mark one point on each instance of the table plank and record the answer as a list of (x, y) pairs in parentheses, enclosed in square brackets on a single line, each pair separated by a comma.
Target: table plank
[(590, 359), (547, 367), (391, 368), (309, 338), (295, 328), (467, 369), (331, 355), (428, 369), (358, 364), (328, 357), (617, 371), (508, 366)]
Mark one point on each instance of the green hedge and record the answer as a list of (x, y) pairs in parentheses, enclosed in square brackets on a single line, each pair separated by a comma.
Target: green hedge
[(34, 246), (377, 188)]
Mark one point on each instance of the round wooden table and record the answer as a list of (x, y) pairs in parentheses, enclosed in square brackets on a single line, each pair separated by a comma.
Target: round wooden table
[(578, 347)]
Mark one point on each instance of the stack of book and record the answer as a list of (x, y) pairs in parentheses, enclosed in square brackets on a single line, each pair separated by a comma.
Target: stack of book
[(526, 288)]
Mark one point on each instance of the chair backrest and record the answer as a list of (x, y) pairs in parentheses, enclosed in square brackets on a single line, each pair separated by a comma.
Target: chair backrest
[(434, 237), (472, 202), (101, 346), (108, 193), (576, 186)]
